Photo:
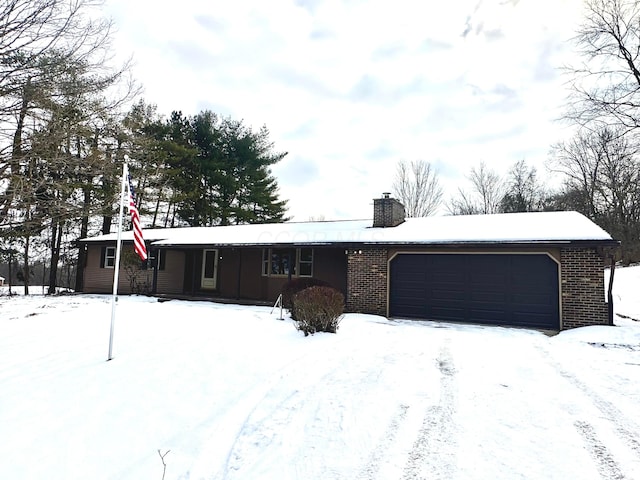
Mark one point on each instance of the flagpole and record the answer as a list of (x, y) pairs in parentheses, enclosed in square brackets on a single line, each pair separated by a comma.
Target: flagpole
[(116, 273)]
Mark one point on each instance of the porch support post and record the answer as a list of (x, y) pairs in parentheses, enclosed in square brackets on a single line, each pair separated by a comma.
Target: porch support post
[(154, 283), (239, 273)]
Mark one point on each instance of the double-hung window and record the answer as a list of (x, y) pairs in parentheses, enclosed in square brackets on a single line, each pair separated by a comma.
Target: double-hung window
[(109, 257), (297, 262), (305, 262)]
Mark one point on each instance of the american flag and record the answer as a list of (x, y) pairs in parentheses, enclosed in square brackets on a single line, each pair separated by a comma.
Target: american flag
[(138, 241)]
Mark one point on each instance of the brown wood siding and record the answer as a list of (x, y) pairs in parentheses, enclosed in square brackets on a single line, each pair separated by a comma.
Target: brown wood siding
[(251, 274), (96, 279), (245, 263), (228, 262), (330, 265), (100, 280), (182, 273), (275, 286), (192, 261), (171, 279)]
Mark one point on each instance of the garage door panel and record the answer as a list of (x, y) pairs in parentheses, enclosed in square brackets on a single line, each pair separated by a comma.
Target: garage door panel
[(411, 302), (411, 289), (532, 299), (490, 275), (413, 276), (447, 295), (445, 313), (436, 285), (412, 311), (513, 289), (487, 278), (541, 284), (486, 316), (484, 293), (448, 277), (529, 319)]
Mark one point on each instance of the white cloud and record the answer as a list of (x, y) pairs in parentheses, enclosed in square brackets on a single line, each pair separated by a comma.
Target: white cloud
[(348, 88)]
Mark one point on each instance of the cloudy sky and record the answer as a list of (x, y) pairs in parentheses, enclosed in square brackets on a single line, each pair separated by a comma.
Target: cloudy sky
[(350, 87)]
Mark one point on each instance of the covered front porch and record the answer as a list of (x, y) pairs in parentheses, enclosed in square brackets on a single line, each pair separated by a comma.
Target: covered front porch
[(252, 274)]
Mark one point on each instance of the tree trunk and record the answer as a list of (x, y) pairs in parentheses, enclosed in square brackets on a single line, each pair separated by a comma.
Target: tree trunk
[(16, 148), (155, 212), (26, 271), (106, 224), (10, 267), (82, 253), (56, 238)]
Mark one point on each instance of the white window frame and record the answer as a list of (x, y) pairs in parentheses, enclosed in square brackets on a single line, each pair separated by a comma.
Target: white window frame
[(108, 257)]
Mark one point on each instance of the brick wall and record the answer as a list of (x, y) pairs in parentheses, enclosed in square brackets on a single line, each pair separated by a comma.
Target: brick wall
[(583, 292), (582, 279), (387, 212), (367, 281)]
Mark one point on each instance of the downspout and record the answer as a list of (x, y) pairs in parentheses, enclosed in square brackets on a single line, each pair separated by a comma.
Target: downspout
[(610, 291)]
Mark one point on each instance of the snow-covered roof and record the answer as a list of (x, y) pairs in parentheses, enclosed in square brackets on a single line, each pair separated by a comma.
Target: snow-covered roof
[(531, 227)]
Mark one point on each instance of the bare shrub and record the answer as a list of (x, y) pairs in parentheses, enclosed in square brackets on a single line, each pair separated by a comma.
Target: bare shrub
[(318, 309)]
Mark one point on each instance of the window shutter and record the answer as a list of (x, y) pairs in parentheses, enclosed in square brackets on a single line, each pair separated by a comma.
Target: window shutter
[(103, 253)]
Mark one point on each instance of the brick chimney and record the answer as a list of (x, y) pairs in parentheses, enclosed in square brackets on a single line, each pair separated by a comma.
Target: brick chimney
[(387, 211)]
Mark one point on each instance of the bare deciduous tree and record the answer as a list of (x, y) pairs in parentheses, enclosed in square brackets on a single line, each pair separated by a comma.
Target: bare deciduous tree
[(606, 86), (602, 181), (57, 93), (487, 191), (416, 185), (31, 30), (524, 193)]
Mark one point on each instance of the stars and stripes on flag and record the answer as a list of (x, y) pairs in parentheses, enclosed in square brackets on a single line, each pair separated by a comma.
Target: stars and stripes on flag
[(138, 241)]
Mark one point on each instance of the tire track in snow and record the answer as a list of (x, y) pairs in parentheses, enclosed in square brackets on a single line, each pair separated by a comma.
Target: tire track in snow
[(224, 427), (372, 467), (627, 429), (607, 467), (252, 435), (262, 424), (433, 453)]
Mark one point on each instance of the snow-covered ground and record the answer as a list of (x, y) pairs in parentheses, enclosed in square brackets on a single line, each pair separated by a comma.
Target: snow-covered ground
[(232, 392)]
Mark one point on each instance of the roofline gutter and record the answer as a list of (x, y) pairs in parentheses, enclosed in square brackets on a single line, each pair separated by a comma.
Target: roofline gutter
[(472, 244)]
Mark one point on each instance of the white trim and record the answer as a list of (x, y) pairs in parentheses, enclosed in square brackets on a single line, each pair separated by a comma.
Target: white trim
[(209, 283), (105, 264)]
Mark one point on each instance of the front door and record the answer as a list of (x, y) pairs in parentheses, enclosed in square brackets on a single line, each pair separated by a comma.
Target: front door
[(209, 269)]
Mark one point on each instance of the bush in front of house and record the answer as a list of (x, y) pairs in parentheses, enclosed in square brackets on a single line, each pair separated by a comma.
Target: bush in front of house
[(296, 285), (318, 309)]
